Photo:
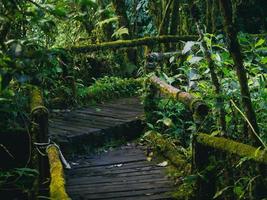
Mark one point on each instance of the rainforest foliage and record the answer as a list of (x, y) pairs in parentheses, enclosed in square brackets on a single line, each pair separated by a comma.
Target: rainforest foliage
[(222, 60)]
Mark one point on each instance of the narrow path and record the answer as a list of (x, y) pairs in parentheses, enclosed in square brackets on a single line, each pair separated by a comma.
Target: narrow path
[(123, 173), (93, 126)]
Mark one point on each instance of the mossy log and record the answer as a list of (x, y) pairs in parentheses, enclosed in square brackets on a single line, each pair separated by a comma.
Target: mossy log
[(196, 105), (133, 43), (57, 182), (168, 150), (231, 147), (39, 134), (205, 145)]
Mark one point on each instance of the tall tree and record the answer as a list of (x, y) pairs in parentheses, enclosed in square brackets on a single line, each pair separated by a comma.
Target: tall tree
[(234, 48), (120, 9)]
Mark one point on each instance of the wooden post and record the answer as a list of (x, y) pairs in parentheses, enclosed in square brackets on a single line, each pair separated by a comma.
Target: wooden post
[(205, 145), (205, 188), (150, 104), (39, 134)]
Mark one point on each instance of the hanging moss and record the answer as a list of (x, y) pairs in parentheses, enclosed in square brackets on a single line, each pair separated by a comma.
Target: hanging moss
[(57, 183), (232, 147)]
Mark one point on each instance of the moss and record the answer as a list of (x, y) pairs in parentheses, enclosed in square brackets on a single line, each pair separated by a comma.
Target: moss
[(36, 100), (196, 105), (232, 147), (112, 87), (179, 168), (57, 183), (133, 43), (167, 148)]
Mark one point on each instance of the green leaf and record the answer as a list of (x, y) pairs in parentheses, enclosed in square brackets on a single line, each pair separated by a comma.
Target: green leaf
[(59, 11), (59, 69), (188, 46), (150, 125), (215, 133), (168, 122), (107, 21), (238, 190), (259, 43), (121, 31), (195, 59), (264, 60), (220, 192)]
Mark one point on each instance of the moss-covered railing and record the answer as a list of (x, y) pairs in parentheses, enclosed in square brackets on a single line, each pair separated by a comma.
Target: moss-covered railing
[(205, 145), (146, 41), (195, 104), (39, 135), (57, 182)]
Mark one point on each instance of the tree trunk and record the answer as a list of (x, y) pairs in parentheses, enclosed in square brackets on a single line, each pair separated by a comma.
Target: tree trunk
[(211, 65), (120, 9), (235, 51), (209, 15), (107, 28), (174, 21)]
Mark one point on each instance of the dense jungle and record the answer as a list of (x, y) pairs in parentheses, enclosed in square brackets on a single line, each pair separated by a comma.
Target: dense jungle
[(133, 99)]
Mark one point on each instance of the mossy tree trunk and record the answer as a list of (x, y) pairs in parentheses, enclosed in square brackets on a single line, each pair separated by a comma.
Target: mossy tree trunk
[(120, 9), (107, 28), (174, 20), (211, 64), (235, 51), (209, 15), (164, 25)]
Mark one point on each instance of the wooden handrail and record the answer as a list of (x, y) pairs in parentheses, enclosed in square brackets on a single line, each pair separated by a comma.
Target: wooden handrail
[(39, 134), (232, 147), (204, 145), (133, 43), (196, 105), (57, 182)]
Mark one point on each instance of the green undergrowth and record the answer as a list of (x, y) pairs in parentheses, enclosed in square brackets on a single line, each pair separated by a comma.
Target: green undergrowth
[(107, 88), (179, 162), (102, 89)]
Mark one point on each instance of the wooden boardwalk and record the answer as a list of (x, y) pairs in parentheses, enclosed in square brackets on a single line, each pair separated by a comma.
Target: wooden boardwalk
[(121, 173), (93, 126)]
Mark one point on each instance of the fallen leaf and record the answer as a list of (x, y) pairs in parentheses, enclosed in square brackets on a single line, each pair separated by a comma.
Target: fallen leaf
[(163, 164)]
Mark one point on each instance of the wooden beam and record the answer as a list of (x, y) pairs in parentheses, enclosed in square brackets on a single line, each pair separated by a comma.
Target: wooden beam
[(231, 147), (196, 105), (57, 182), (133, 43)]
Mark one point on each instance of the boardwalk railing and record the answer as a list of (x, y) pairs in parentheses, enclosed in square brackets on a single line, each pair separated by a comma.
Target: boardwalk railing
[(39, 161), (204, 145)]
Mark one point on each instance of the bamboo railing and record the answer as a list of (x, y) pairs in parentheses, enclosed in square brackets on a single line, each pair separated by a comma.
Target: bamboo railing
[(204, 145), (39, 135)]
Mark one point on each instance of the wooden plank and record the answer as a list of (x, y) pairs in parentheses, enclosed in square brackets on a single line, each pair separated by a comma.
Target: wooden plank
[(124, 194), (96, 180)]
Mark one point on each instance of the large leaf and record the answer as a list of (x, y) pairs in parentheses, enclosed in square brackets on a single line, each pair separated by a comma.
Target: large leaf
[(188, 46), (107, 21), (168, 122), (259, 43), (121, 31)]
